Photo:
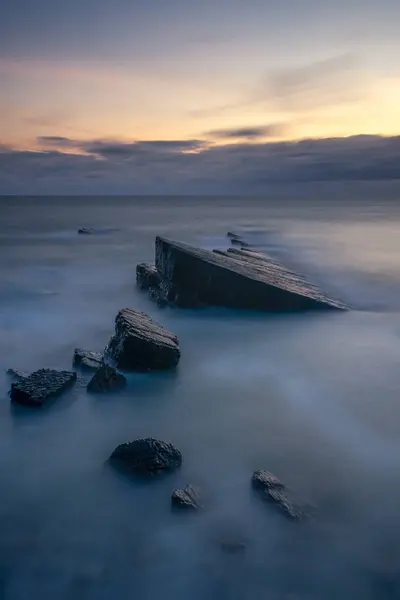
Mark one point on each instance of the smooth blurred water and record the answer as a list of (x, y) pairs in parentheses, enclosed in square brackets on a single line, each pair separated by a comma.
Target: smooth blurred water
[(313, 398)]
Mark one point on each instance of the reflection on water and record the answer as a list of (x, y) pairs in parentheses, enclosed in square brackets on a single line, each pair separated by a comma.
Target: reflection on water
[(313, 398)]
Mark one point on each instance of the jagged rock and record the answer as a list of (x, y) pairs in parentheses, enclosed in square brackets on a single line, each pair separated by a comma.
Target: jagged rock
[(106, 379), (86, 359), (146, 457), (41, 386), (85, 230), (272, 490), (141, 344), (147, 276), (193, 277), (17, 375), (187, 498)]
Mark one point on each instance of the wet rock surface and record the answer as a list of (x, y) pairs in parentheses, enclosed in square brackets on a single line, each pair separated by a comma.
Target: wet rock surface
[(147, 276), (87, 360), (237, 278), (41, 386), (272, 490), (141, 344), (187, 498), (146, 457), (106, 379)]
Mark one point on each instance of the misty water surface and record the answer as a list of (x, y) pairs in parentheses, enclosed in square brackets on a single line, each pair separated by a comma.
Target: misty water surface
[(313, 398)]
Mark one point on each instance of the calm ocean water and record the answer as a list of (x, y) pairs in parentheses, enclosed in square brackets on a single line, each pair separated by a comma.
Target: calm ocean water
[(313, 398)]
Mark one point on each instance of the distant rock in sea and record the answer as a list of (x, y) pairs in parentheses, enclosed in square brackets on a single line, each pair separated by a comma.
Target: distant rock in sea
[(146, 457), (272, 490), (85, 230), (141, 344)]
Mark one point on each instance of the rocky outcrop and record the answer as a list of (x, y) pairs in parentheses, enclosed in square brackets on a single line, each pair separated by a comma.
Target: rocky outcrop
[(141, 344), (41, 386), (145, 457), (272, 490), (188, 498), (87, 360), (85, 230), (193, 277), (106, 379)]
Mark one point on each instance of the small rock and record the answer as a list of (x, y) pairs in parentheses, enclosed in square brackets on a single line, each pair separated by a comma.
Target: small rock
[(146, 456), (233, 546), (272, 490), (85, 230), (147, 276), (141, 344), (187, 498), (106, 379), (87, 359), (41, 386)]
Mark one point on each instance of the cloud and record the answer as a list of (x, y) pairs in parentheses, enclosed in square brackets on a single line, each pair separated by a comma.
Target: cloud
[(118, 149), (326, 82), (250, 133), (169, 167)]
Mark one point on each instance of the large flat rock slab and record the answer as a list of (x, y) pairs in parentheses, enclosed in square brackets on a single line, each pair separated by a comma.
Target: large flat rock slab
[(142, 344), (236, 278), (41, 386)]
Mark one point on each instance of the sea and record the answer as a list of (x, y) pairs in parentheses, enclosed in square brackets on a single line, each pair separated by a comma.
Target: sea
[(314, 398)]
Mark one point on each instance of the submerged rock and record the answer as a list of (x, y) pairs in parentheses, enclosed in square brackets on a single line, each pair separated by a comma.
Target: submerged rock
[(85, 230), (233, 546), (86, 359), (141, 344), (193, 277), (106, 379), (41, 386), (271, 489), (188, 498), (147, 276), (146, 456)]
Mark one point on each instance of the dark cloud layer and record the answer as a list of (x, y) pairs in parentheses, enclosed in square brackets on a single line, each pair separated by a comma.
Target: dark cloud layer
[(186, 167), (250, 133)]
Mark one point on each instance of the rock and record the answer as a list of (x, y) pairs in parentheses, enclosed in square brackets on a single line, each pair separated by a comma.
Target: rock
[(193, 277), (17, 375), (272, 490), (41, 386), (106, 379), (157, 296), (141, 344), (87, 359), (147, 276), (146, 457), (188, 498), (233, 546), (85, 230)]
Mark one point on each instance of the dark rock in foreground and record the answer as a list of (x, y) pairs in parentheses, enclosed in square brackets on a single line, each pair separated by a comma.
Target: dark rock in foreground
[(188, 498), (87, 359), (141, 344), (146, 457), (193, 277), (272, 490), (17, 375), (106, 379), (147, 276), (41, 386)]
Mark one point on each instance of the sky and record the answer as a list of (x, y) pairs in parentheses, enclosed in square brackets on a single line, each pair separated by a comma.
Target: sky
[(177, 87)]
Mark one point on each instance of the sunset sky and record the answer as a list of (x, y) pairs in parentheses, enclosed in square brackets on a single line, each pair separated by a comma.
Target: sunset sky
[(88, 72)]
